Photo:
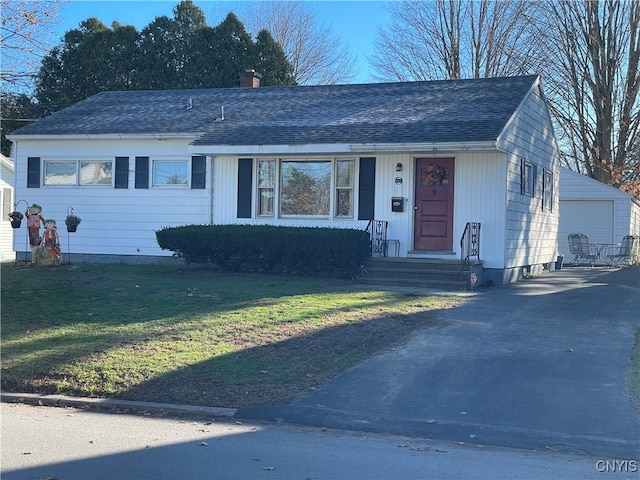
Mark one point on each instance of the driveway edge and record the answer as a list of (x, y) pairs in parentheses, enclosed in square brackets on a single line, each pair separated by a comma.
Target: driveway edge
[(67, 401)]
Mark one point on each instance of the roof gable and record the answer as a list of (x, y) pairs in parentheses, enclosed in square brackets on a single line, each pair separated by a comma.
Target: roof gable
[(577, 185), (409, 112)]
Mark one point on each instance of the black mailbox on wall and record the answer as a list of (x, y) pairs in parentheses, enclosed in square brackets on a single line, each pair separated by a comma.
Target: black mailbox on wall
[(397, 204)]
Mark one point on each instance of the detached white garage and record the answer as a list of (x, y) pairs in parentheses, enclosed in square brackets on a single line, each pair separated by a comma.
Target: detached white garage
[(603, 213)]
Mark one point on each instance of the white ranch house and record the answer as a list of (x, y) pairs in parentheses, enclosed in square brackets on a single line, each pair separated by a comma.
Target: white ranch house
[(447, 152)]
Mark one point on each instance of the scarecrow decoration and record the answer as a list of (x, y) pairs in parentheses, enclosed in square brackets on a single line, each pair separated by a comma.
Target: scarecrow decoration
[(34, 217), (48, 253)]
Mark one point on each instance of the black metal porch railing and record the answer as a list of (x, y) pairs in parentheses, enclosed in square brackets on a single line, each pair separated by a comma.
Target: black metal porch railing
[(377, 230), (470, 242)]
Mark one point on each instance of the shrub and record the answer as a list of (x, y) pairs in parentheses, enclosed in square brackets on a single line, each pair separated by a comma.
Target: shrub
[(271, 249)]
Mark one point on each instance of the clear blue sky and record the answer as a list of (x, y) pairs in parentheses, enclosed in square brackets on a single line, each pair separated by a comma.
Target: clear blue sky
[(355, 21)]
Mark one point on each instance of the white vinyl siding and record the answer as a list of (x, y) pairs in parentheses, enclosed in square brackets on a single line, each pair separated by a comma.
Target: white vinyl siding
[(531, 232), (114, 221)]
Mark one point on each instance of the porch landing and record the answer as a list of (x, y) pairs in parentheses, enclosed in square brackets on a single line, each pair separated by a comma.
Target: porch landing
[(445, 274)]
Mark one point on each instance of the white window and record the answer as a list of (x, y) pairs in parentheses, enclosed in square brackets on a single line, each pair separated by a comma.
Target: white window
[(60, 173), (527, 178), (322, 188), (547, 190), (170, 173), (266, 187), (305, 188), (72, 173), (344, 188), (96, 173)]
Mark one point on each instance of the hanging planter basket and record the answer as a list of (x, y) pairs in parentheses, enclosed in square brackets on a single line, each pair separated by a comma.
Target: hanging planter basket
[(72, 222), (16, 219)]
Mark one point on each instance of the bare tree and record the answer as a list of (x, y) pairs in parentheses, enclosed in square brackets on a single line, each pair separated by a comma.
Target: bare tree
[(593, 53), (24, 39), (318, 55), (450, 39)]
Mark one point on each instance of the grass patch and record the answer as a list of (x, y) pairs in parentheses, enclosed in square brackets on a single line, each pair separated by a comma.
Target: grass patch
[(189, 335)]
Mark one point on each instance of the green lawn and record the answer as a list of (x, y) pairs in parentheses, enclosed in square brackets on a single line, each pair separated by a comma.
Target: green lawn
[(190, 335)]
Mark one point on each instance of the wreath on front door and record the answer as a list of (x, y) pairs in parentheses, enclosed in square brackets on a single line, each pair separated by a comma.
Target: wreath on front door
[(433, 175)]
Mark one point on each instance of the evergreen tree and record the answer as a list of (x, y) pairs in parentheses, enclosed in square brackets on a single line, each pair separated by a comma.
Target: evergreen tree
[(270, 60), (170, 53)]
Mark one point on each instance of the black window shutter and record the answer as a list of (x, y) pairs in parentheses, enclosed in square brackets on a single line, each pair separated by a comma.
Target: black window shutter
[(198, 171), (33, 172), (142, 172), (122, 172), (245, 180), (366, 190)]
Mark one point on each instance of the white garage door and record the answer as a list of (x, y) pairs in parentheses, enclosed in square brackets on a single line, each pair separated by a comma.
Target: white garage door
[(594, 218)]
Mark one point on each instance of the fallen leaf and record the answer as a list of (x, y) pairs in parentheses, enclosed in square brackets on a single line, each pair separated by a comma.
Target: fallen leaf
[(432, 420), (463, 413), (255, 459), (268, 468), (471, 435), (26, 453), (323, 429), (202, 444), (569, 349), (40, 402), (403, 445), (441, 451)]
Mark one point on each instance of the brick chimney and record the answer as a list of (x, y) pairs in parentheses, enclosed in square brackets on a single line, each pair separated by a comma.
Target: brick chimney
[(250, 79)]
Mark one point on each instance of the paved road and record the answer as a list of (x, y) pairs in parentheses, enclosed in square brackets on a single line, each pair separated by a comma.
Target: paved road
[(537, 364), (68, 444)]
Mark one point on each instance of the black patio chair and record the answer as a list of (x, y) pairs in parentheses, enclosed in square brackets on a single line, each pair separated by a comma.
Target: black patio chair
[(627, 253), (581, 250)]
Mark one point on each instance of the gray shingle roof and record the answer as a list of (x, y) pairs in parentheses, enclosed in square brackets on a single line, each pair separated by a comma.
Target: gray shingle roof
[(411, 112)]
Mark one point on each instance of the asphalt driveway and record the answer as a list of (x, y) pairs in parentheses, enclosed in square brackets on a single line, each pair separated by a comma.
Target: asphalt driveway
[(540, 364)]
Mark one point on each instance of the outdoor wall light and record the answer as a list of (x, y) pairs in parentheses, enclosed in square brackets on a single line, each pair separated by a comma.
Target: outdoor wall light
[(398, 167), (398, 180)]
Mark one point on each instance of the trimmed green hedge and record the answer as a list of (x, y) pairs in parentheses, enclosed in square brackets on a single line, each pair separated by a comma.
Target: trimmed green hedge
[(270, 249)]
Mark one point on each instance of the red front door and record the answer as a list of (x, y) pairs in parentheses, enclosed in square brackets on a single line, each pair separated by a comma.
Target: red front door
[(433, 221)]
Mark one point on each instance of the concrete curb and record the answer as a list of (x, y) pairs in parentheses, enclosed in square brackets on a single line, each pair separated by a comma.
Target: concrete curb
[(63, 400)]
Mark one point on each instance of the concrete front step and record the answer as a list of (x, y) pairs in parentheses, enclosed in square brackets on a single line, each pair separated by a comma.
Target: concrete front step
[(420, 283), (427, 273)]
